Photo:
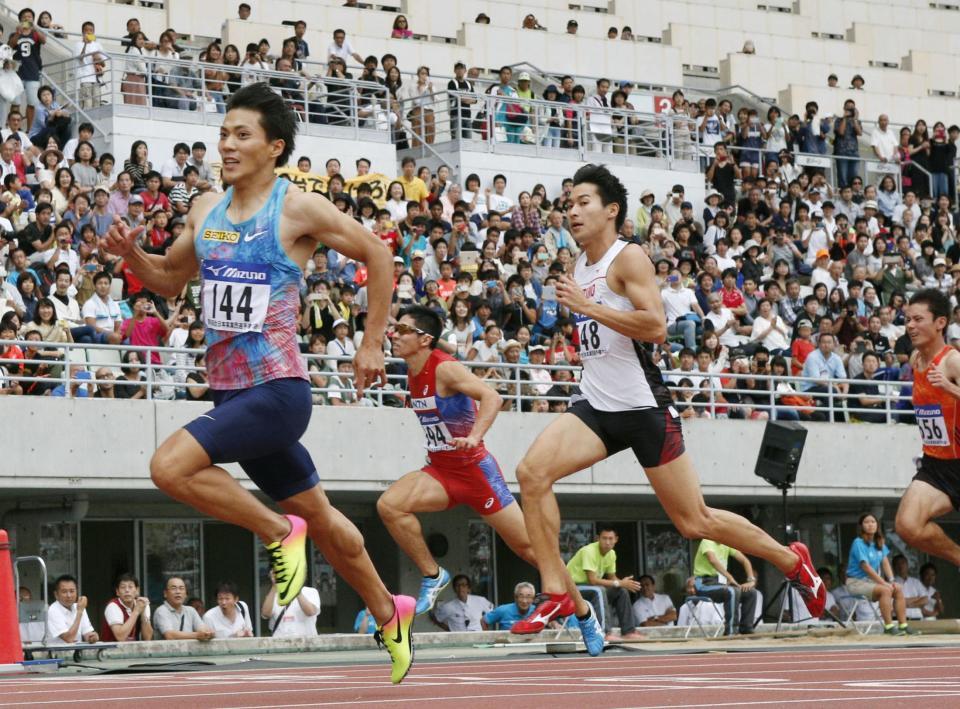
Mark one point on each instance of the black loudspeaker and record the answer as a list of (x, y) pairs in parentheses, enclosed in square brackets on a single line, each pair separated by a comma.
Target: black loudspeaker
[(780, 453)]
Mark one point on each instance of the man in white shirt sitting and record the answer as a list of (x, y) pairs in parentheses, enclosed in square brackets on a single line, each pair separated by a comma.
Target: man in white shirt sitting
[(230, 618), (67, 618), (463, 613), (914, 592), (297, 620), (102, 313), (678, 303), (724, 321), (652, 608)]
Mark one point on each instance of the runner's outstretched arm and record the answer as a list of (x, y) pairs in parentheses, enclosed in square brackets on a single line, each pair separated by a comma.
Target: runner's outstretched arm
[(454, 376), (168, 274), (631, 275), (316, 218)]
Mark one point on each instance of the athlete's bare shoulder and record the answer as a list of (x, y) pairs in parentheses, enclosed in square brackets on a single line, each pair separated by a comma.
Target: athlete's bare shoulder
[(632, 265)]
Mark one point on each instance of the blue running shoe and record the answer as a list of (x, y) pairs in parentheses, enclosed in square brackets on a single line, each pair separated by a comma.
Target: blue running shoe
[(430, 589), (591, 633)]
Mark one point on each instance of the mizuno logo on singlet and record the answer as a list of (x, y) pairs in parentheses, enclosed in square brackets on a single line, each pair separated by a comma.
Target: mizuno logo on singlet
[(231, 272)]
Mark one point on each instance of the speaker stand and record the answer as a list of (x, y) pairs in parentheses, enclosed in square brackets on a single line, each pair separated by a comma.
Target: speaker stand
[(783, 593)]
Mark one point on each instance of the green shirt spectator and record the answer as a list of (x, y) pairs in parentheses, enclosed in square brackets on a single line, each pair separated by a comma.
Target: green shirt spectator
[(702, 565), (589, 558)]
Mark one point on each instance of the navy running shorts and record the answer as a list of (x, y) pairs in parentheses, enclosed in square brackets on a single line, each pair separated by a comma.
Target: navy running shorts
[(260, 428), (654, 434)]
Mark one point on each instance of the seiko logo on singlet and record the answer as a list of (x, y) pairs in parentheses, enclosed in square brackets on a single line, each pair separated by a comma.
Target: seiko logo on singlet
[(230, 237)]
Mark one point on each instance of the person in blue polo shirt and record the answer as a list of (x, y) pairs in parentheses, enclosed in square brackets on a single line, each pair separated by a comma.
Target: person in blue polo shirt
[(502, 617)]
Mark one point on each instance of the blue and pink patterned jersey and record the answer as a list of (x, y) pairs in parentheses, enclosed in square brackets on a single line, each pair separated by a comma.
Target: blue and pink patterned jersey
[(250, 296)]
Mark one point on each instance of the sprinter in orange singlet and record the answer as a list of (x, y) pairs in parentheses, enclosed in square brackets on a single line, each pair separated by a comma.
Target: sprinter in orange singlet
[(935, 489)]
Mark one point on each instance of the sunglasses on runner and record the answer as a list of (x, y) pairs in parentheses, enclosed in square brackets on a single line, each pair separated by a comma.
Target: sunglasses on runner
[(403, 329)]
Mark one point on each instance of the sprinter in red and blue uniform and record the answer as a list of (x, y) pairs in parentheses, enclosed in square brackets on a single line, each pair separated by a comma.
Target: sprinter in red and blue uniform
[(459, 470)]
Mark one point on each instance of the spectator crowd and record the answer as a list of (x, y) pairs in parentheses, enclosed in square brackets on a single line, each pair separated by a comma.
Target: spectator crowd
[(783, 273)]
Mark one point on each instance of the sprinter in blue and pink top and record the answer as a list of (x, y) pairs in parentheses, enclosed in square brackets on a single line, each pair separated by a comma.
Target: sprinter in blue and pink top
[(250, 245)]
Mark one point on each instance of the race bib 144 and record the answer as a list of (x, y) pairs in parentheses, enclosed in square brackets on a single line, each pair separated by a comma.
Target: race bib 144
[(235, 295)]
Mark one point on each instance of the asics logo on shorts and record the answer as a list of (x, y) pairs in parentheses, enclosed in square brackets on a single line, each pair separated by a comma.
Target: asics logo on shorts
[(488, 504)]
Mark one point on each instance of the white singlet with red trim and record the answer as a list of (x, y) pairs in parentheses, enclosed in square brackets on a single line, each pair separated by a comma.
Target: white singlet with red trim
[(618, 374)]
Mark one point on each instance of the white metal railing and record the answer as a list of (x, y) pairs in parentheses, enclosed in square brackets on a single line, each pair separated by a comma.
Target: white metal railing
[(180, 90), (498, 121), (508, 378)]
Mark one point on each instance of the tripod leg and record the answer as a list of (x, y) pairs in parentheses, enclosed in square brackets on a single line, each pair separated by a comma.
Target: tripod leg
[(785, 601), (766, 609)]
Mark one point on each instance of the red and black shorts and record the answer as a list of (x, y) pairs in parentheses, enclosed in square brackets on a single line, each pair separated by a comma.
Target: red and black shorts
[(654, 434), (479, 485)]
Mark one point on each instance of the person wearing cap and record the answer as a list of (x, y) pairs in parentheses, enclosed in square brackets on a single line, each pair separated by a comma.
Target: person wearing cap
[(600, 121), (643, 216), (712, 208), (939, 279), (572, 26), (341, 346), (524, 91), (870, 210), (802, 344), (687, 219)]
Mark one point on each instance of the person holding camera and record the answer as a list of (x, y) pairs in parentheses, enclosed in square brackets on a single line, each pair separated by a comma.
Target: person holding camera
[(145, 328), (813, 133), (846, 132), (722, 173)]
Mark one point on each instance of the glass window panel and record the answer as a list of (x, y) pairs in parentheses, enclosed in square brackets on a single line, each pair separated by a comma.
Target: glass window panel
[(574, 535), (480, 547), (171, 549), (58, 548)]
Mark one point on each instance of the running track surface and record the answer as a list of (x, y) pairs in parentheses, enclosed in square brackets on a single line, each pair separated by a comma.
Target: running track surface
[(920, 677)]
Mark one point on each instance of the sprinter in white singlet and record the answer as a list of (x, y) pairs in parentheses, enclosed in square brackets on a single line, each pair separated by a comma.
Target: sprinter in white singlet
[(624, 404)]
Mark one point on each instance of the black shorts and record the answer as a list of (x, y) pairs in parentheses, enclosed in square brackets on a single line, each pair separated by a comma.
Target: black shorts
[(654, 435), (943, 475)]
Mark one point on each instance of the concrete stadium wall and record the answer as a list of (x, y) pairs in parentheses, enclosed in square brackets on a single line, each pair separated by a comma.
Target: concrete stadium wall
[(100, 445)]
